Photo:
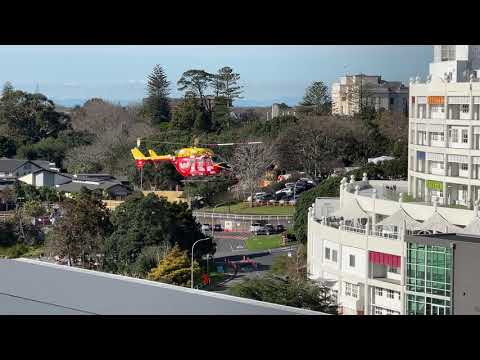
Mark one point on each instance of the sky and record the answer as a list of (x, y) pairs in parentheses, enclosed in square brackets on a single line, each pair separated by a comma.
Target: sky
[(73, 74)]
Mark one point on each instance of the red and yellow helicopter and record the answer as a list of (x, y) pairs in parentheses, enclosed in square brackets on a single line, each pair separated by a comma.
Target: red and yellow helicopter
[(190, 161)]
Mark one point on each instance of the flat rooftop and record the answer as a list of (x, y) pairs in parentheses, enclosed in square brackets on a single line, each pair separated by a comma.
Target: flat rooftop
[(31, 287), (447, 237)]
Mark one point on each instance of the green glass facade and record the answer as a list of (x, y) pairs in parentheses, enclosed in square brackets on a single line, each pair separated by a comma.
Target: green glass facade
[(428, 279)]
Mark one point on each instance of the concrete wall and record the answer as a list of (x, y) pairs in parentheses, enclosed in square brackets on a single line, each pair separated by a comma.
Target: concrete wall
[(466, 279), (360, 261)]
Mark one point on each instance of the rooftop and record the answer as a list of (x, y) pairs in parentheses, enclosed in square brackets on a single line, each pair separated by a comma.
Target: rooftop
[(35, 287)]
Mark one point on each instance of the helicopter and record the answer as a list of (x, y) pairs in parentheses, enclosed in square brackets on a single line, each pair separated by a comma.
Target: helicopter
[(189, 162)]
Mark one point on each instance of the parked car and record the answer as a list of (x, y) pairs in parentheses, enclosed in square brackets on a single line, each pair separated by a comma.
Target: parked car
[(256, 196), (289, 185), (262, 230), (286, 191), (206, 227), (255, 226), (280, 228), (217, 227), (270, 228)]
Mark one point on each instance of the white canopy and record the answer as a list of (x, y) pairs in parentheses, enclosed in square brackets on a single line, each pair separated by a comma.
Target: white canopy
[(351, 211), (472, 228), (437, 222), (399, 218)]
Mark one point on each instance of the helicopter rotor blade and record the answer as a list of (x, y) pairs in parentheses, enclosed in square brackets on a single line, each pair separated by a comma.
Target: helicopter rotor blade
[(232, 144)]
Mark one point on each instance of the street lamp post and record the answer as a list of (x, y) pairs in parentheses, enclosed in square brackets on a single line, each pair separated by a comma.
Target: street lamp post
[(191, 265)]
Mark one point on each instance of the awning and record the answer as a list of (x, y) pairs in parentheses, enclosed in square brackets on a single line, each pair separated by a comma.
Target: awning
[(421, 99), (437, 222), (454, 100), (457, 159), (384, 259), (420, 155), (350, 211), (434, 157), (400, 218), (436, 128), (434, 185)]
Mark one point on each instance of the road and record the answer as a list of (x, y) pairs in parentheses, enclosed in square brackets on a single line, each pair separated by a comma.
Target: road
[(231, 246)]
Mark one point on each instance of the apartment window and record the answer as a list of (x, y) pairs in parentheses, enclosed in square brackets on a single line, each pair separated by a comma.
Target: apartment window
[(438, 136), (393, 270), (352, 260), (465, 108), (334, 255), (351, 290), (378, 291), (464, 167), (465, 136), (447, 52), (327, 253), (391, 312), (377, 311), (390, 294), (454, 135)]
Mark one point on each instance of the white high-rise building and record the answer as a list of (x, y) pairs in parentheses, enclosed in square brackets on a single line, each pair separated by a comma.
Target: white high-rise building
[(444, 144), (364, 245)]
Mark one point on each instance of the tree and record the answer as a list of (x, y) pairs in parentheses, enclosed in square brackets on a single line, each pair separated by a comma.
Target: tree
[(250, 163), (328, 187), (143, 221), (297, 292), (28, 118), (33, 208), (81, 231), (189, 114), (293, 266), (157, 103), (175, 268), (227, 86), (195, 83), (7, 147), (317, 99)]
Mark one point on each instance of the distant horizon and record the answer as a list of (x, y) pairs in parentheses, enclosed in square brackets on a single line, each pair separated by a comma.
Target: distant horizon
[(269, 74)]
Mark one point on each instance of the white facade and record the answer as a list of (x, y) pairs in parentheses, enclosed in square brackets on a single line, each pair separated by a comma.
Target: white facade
[(444, 144), (391, 96), (344, 254)]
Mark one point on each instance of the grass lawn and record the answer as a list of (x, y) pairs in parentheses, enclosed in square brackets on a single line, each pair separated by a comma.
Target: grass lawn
[(243, 208), (264, 242)]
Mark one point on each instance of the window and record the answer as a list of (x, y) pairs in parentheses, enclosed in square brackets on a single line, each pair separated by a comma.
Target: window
[(393, 270), (351, 290), (377, 311), (465, 108), (352, 260), (454, 135), (465, 136), (447, 52), (390, 294), (334, 255), (327, 253), (464, 167), (378, 291)]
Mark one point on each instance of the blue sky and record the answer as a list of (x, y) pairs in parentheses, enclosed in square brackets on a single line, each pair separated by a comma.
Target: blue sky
[(268, 73)]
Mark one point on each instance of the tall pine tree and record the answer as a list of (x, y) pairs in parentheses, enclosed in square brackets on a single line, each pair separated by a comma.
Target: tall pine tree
[(157, 104), (229, 87)]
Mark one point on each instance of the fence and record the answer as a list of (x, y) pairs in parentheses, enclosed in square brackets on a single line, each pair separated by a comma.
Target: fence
[(253, 218)]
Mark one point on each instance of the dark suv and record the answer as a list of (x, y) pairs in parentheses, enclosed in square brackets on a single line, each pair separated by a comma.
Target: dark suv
[(217, 227)]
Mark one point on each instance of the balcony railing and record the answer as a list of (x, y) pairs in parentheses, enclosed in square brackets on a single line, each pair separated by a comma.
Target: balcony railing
[(378, 232)]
